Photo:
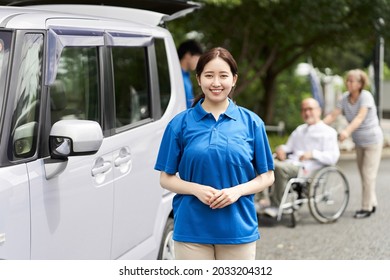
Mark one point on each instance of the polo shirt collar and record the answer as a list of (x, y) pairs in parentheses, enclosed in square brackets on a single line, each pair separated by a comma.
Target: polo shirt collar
[(200, 113)]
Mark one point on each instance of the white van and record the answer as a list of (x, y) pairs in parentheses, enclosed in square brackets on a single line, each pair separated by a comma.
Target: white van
[(84, 100)]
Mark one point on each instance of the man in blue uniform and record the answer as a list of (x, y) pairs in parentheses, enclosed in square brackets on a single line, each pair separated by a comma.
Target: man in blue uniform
[(189, 53)]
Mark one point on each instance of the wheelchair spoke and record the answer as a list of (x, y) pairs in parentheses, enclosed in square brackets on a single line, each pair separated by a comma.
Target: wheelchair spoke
[(329, 195)]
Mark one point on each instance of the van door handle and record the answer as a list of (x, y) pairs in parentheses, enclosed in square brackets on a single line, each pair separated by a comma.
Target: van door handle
[(104, 167), (121, 160)]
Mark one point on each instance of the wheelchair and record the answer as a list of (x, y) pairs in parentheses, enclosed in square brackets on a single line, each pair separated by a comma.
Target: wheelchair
[(326, 193)]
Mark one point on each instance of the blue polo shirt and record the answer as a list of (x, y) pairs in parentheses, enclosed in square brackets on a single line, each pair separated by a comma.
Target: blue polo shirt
[(220, 154), (189, 91)]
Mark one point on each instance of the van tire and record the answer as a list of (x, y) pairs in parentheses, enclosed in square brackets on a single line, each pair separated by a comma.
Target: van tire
[(166, 251)]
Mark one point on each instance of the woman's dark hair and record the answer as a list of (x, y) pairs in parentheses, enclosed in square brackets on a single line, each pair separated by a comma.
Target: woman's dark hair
[(209, 55), (189, 46)]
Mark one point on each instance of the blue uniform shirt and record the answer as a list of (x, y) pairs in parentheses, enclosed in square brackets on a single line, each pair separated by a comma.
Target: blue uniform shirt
[(189, 91), (220, 154)]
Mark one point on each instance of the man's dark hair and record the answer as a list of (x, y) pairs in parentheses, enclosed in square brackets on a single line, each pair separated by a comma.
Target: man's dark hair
[(189, 46)]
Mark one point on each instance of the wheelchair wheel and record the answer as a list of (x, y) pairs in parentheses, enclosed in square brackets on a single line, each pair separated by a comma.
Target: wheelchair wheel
[(328, 194)]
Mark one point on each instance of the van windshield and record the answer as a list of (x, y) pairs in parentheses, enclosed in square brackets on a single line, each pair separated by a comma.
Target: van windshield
[(5, 43)]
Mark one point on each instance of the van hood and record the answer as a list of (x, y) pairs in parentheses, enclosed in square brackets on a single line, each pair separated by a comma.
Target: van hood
[(170, 8)]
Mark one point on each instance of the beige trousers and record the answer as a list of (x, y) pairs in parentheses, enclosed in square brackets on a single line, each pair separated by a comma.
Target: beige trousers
[(195, 251), (368, 159)]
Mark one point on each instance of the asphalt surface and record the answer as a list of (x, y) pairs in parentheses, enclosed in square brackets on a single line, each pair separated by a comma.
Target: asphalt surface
[(346, 239)]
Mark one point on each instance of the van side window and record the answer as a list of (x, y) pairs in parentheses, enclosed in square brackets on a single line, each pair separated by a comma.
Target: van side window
[(24, 128), (132, 91), (163, 74), (75, 92)]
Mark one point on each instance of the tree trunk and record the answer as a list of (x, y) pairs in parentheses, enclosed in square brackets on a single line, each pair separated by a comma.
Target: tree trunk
[(268, 102)]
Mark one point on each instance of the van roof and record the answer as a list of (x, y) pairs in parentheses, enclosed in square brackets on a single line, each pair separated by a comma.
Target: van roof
[(34, 18), (152, 12), (167, 7)]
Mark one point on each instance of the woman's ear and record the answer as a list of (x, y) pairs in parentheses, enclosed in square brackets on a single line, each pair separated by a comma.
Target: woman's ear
[(198, 79), (235, 78)]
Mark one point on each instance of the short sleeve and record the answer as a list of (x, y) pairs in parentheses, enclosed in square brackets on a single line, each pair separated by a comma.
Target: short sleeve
[(263, 160), (169, 154), (367, 100)]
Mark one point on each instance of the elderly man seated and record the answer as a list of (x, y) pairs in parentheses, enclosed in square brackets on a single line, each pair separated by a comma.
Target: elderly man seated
[(310, 146)]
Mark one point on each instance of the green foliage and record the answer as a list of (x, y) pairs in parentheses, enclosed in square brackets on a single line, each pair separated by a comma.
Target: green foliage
[(224, 3), (276, 140), (269, 37), (291, 90), (359, 55)]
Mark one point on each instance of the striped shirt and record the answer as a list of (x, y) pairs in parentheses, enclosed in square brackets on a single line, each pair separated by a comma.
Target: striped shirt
[(369, 132)]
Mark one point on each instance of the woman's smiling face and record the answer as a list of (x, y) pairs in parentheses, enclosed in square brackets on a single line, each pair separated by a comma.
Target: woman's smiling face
[(217, 80)]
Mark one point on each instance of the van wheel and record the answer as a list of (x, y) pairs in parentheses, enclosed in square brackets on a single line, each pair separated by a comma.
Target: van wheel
[(166, 248)]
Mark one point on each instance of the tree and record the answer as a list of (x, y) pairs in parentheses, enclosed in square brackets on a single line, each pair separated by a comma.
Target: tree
[(268, 37)]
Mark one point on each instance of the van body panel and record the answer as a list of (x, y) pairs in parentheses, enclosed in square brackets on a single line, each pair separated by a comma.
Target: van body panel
[(130, 178), (14, 212), (148, 249), (71, 214)]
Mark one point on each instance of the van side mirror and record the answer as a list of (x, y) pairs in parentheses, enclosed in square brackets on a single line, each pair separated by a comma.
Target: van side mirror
[(24, 138), (71, 138), (74, 137)]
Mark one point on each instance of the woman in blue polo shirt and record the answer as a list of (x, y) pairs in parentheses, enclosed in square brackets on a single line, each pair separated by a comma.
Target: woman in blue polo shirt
[(222, 156)]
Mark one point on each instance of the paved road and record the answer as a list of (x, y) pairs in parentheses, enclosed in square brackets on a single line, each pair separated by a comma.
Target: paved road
[(347, 239)]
